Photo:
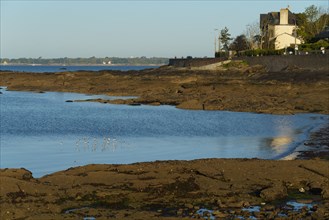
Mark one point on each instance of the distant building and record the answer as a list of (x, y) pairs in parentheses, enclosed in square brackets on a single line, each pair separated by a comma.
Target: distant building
[(278, 30)]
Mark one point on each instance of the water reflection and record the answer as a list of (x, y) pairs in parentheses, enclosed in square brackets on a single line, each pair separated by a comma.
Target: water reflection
[(284, 136)]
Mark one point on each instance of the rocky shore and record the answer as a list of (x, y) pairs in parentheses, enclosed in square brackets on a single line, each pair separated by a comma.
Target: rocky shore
[(221, 188), (214, 188), (233, 87)]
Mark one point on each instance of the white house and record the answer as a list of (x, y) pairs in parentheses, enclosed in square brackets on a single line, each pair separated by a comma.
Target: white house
[(278, 30)]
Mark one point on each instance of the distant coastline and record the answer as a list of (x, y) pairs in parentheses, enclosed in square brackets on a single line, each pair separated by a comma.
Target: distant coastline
[(99, 61), (58, 64)]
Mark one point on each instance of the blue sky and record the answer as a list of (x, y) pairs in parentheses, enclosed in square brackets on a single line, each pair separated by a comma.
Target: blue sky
[(59, 28)]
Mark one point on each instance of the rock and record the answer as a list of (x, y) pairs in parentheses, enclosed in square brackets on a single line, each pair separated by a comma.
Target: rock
[(179, 212), (268, 208), (240, 204), (274, 193), (134, 104), (196, 207), (325, 193), (219, 214), (189, 206), (191, 104), (21, 174), (155, 103)]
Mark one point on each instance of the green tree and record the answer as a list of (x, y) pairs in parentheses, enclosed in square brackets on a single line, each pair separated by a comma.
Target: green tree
[(240, 43), (311, 22), (225, 38)]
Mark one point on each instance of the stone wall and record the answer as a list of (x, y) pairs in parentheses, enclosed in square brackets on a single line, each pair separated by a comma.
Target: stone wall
[(271, 63), (279, 63), (194, 62)]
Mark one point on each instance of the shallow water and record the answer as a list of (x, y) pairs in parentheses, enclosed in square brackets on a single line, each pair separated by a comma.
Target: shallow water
[(43, 133)]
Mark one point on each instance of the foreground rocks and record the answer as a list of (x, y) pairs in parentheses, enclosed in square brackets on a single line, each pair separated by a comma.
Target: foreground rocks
[(169, 190)]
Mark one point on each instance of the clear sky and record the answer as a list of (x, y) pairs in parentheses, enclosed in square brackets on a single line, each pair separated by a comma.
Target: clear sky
[(62, 28)]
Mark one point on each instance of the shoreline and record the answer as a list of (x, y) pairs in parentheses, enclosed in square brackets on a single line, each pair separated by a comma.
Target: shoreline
[(59, 64)]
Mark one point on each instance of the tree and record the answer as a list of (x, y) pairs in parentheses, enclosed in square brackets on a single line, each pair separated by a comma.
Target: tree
[(252, 35), (312, 13), (311, 22), (225, 38), (240, 43)]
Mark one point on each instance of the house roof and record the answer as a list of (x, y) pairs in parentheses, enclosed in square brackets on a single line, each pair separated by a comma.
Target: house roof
[(323, 34), (273, 18)]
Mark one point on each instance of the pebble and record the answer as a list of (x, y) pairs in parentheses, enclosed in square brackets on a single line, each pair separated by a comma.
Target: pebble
[(196, 207), (180, 212), (189, 206), (220, 214)]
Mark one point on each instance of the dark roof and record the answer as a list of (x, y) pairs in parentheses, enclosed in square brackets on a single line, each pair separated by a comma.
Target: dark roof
[(323, 34), (273, 18)]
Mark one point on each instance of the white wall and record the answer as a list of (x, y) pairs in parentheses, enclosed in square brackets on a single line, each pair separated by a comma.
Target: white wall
[(285, 40)]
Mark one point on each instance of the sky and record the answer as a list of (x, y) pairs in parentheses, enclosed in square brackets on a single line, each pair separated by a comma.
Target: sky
[(113, 28)]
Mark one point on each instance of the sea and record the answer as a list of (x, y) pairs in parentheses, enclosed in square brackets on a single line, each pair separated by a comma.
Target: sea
[(62, 68), (44, 134)]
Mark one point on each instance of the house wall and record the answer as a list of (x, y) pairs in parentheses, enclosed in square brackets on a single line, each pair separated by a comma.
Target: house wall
[(281, 29), (283, 36), (285, 40)]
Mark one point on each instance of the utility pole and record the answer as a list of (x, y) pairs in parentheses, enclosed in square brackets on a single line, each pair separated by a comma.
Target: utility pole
[(215, 41), (295, 35)]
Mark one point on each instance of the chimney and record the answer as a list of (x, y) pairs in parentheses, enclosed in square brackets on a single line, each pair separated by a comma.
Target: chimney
[(284, 16)]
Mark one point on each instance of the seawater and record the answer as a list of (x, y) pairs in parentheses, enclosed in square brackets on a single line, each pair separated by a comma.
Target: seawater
[(44, 133), (54, 68)]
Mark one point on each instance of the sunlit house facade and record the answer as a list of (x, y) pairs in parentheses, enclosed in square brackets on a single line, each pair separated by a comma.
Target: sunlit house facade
[(279, 30)]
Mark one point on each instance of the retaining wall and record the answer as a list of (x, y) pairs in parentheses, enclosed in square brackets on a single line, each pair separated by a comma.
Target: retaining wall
[(279, 63), (194, 62), (271, 63)]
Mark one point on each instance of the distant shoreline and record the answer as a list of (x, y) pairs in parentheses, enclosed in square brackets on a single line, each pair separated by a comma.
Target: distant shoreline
[(57, 64)]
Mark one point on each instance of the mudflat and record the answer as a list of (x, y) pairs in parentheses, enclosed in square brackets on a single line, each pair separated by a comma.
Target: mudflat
[(218, 188)]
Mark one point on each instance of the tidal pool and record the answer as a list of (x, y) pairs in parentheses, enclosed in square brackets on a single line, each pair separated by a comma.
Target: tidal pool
[(43, 133)]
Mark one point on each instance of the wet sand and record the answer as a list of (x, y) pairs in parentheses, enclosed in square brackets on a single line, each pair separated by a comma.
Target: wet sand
[(179, 189)]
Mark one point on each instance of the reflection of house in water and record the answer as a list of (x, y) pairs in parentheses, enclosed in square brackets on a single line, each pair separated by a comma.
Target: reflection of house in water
[(279, 143), (285, 135)]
